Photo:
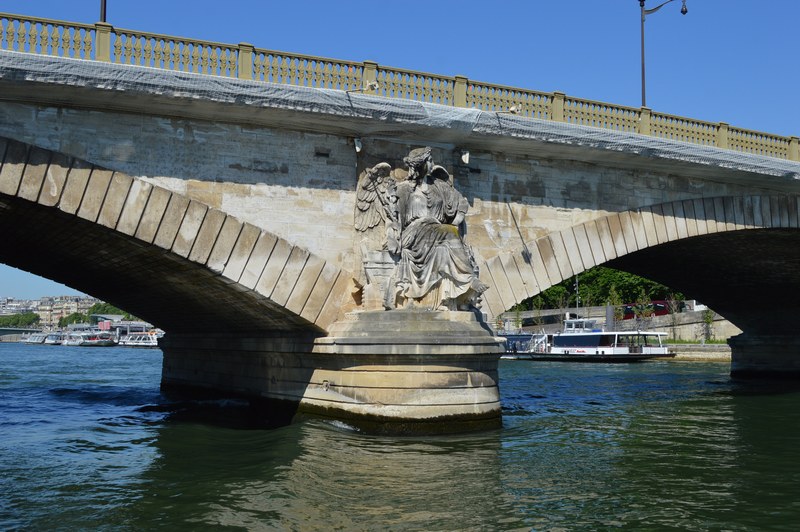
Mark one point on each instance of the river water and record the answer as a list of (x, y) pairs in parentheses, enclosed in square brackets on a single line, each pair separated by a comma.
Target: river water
[(87, 442)]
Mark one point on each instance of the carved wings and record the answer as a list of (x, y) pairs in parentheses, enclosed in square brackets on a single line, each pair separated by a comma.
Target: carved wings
[(375, 197)]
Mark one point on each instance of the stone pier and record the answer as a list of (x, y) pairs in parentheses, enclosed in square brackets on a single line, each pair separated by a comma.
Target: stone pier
[(406, 371), (765, 356)]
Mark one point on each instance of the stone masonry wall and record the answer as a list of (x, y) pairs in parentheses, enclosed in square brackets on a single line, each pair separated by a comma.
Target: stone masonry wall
[(301, 185)]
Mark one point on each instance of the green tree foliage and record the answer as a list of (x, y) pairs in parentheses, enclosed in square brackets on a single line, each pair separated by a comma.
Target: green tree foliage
[(642, 308), (75, 317), (708, 325), (615, 301), (27, 319), (108, 308), (598, 286), (97, 308)]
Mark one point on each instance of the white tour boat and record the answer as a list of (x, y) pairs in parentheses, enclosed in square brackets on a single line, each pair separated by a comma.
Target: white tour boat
[(34, 338), (89, 339), (582, 341), (146, 339), (54, 338)]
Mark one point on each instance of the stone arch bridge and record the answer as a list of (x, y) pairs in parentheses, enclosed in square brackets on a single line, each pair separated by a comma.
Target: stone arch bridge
[(222, 211)]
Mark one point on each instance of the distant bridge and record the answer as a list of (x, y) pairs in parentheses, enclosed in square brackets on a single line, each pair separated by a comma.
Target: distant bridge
[(16, 331), (220, 208)]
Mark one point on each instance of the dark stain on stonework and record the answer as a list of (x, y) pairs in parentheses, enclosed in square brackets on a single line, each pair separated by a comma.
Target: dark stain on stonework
[(264, 167)]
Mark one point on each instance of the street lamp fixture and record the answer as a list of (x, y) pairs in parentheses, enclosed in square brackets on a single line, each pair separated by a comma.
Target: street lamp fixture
[(646, 12)]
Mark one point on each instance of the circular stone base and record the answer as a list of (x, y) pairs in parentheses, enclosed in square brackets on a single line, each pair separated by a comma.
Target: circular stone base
[(417, 371)]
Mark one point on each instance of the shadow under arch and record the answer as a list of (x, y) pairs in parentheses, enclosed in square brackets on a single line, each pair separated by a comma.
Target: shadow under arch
[(740, 255), (168, 259)]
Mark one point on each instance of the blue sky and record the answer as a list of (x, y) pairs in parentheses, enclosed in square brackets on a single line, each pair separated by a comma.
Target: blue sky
[(732, 61)]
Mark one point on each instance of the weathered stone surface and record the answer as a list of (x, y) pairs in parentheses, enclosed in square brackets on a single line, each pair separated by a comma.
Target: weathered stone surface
[(408, 365), (268, 281), (187, 233), (336, 301), (114, 201), (76, 185), (500, 283), (560, 256), (571, 249), (54, 179), (515, 278), (306, 280), (525, 268), (16, 154), (256, 258), (585, 248), (156, 206), (35, 171), (225, 243), (95, 193), (206, 235), (648, 221), (765, 356), (320, 292), (690, 219), (171, 221), (700, 216), (595, 242), (245, 243)]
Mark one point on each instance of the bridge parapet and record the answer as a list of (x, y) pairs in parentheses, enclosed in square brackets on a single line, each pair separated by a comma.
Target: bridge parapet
[(103, 42)]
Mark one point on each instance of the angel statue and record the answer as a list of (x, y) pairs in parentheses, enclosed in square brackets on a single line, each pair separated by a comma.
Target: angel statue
[(375, 202), (423, 216), (376, 221)]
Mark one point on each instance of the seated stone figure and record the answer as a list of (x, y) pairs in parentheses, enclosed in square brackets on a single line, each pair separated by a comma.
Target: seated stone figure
[(434, 268)]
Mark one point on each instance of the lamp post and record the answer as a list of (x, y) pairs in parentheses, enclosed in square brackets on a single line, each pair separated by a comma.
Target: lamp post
[(103, 10), (646, 12)]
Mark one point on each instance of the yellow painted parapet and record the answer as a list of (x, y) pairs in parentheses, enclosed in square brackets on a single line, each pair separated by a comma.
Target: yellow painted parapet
[(103, 42)]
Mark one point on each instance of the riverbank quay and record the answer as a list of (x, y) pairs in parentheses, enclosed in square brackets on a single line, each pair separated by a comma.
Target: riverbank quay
[(701, 352)]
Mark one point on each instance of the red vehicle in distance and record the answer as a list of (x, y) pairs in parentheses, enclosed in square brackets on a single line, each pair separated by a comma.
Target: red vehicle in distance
[(654, 308)]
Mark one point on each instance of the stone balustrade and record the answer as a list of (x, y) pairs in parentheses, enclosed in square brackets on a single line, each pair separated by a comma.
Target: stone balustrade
[(103, 42)]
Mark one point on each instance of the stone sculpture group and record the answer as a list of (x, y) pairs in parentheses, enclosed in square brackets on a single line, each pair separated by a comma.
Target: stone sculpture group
[(421, 260)]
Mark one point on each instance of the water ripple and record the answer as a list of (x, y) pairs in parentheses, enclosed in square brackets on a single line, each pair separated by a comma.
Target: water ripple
[(90, 443)]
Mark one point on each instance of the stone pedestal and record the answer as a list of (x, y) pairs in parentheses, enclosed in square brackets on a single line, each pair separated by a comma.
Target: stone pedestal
[(416, 371), (378, 269), (401, 371), (765, 356)]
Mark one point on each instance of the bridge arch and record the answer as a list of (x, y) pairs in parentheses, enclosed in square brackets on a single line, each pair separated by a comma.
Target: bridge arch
[(168, 259), (741, 252)]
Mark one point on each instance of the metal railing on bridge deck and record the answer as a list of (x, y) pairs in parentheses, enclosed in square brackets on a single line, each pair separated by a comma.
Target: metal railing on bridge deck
[(103, 42)]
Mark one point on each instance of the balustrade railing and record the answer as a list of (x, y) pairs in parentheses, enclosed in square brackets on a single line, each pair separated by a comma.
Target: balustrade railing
[(602, 115), (130, 47), (410, 85), (497, 98), (296, 69), (103, 42)]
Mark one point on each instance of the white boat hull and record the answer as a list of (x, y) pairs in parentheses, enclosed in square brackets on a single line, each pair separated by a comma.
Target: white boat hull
[(139, 340), (89, 339)]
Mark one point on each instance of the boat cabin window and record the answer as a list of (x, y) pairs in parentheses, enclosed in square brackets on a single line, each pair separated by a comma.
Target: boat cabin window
[(646, 340), (583, 340), (579, 325)]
